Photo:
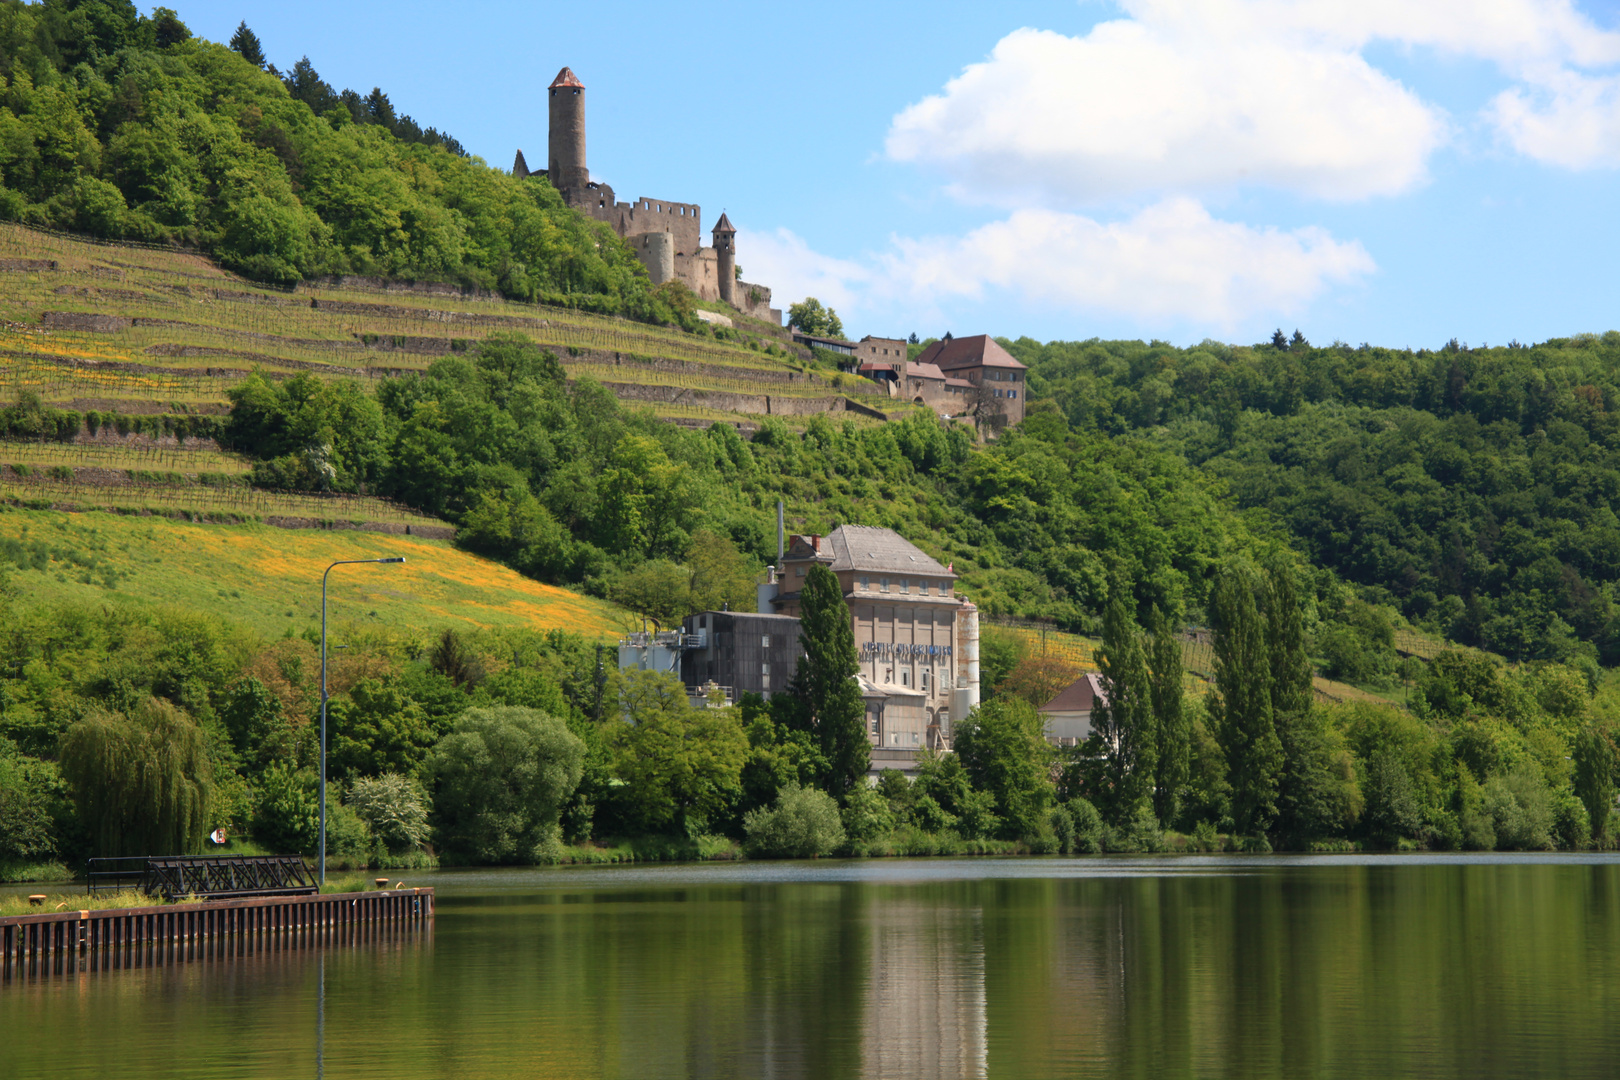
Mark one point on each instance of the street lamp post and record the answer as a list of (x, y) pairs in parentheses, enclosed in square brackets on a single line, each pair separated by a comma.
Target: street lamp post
[(329, 569)]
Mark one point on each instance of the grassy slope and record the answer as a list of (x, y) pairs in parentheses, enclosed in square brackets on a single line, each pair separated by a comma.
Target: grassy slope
[(271, 578)]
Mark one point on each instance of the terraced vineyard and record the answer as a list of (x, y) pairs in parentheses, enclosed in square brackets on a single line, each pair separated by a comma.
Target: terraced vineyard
[(126, 334), (138, 330)]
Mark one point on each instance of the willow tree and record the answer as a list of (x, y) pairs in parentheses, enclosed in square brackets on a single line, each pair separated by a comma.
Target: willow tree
[(143, 782)]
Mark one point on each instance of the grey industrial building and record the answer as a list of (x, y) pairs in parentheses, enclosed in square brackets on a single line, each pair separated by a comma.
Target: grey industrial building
[(741, 652)]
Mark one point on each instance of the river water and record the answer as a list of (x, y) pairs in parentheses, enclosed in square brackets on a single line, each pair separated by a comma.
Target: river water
[(1322, 966)]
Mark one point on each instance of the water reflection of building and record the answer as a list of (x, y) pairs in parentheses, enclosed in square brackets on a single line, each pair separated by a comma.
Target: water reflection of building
[(925, 1000)]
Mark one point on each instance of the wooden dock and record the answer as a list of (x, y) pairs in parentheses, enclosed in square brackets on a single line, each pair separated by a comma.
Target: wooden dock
[(61, 941)]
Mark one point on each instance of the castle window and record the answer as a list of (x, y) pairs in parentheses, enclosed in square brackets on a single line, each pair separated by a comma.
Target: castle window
[(765, 670), (883, 584), (765, 641), (866, 582), (905, 677), (1012, 393)]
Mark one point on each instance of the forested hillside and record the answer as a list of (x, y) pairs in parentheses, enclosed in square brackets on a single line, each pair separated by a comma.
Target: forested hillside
[(566, 484), (1473, 489), (123, 126)]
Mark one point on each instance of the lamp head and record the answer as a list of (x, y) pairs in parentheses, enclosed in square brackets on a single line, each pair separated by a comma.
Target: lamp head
[(396, 558)]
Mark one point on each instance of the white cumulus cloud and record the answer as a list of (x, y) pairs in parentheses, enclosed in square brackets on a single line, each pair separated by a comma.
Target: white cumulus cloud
[(1192, 95), (783, 261), (1569, 119), (1170, 261), (1137, 107)]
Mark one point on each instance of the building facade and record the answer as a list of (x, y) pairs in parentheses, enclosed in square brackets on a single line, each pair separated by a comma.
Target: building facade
[(977, 362), (667, 236), (915, 640), (1068, 715), (881, 350)]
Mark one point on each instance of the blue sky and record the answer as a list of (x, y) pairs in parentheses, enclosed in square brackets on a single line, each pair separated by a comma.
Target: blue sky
[(1385, 171)]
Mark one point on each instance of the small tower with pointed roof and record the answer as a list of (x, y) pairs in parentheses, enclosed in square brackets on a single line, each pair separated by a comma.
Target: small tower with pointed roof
[(566, 161), (725, 250)]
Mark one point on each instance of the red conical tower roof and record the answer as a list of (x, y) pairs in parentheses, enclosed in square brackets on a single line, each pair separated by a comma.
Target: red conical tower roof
[(566, 77)]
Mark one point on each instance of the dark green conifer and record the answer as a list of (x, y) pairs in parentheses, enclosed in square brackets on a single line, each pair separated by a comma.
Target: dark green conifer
[(246, 43), (825, 681)]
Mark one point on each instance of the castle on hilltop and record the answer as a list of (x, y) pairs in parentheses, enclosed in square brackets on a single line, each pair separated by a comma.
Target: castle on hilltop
[(667, 236)]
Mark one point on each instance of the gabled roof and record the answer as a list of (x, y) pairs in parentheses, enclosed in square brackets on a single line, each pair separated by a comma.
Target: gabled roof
[(874, 550), (980, 350), (724, 224), (924, 371), (520, 167), (1082, 695), (802, 337), (566, 77), (958, 382)]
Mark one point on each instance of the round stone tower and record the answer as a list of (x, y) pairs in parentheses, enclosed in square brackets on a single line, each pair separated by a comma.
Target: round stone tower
[(725, 250), (565, 165)]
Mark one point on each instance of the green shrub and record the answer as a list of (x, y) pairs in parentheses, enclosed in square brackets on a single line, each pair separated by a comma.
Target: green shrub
[(804, 824), (348, 838), (929, 816), (1571, 826), (26, 830), (1521, 811), (394, 808), (1088, 825), (287, 819), (867, 816), (1140, 833)]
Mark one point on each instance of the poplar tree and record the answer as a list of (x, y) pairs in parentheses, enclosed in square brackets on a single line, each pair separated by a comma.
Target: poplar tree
[(1175, 734), (1241, 706), (1595, 765), (1290, 665), (1126, 722), (825, 682)]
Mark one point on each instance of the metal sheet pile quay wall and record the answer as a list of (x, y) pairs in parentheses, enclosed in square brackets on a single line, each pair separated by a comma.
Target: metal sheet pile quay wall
[(75, 933)]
